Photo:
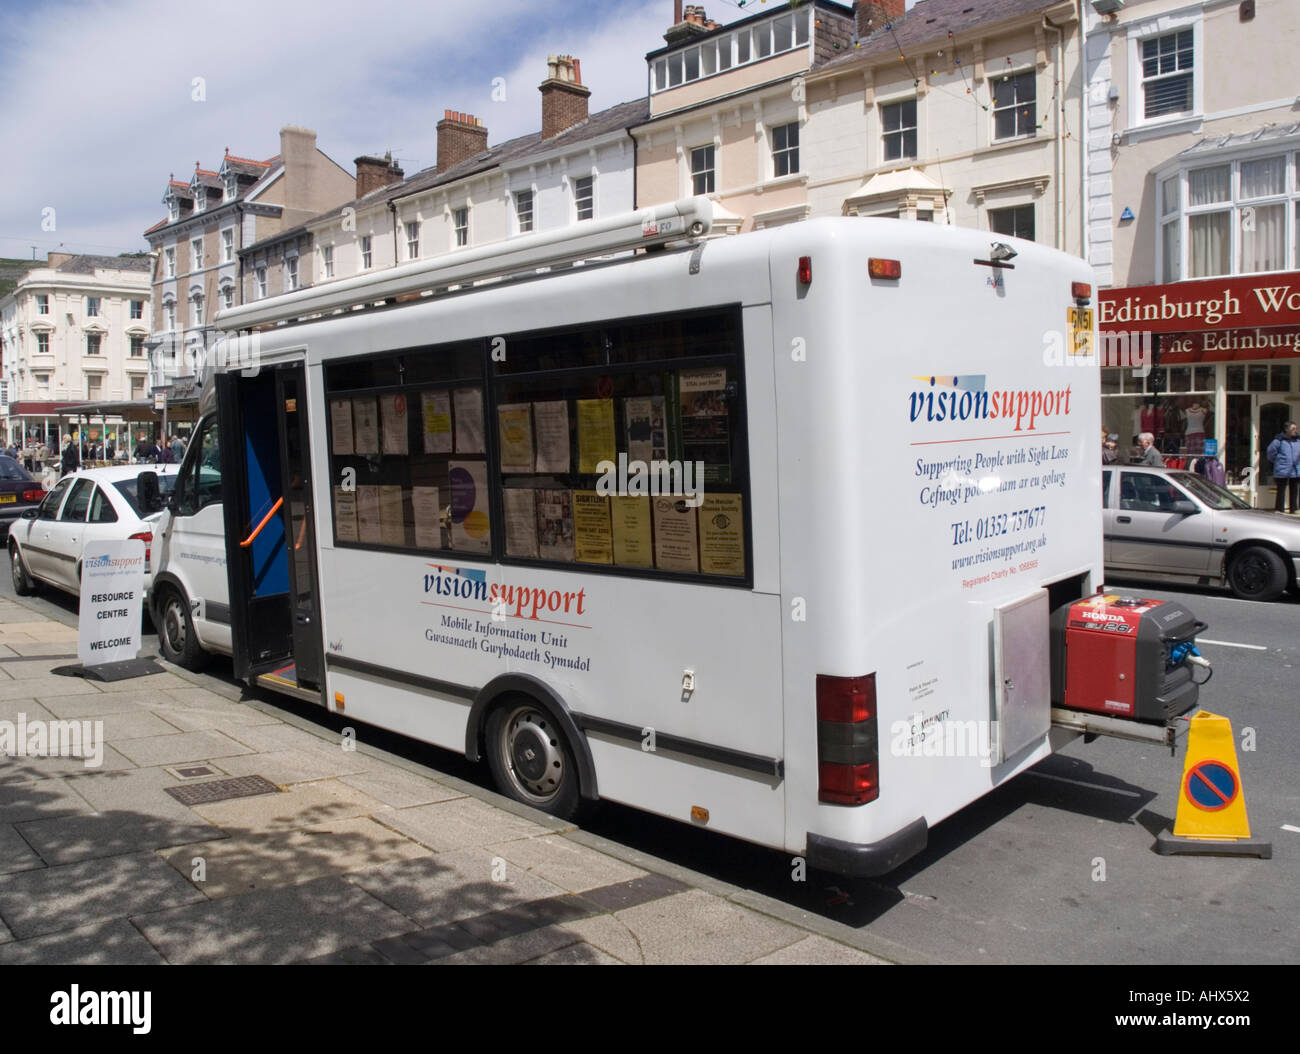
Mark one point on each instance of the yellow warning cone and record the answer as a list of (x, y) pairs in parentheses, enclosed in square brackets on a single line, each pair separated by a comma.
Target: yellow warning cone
[(1211, 803)]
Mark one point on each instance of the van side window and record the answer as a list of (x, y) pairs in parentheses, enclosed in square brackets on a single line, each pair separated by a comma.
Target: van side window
[(200, 478)]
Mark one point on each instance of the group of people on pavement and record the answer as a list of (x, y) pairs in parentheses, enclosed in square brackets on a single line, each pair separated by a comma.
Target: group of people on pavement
[(147, 451), (1150, 455)]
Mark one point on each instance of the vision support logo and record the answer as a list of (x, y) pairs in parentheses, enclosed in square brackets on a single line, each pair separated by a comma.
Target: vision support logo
[(75, 1007), (53, 739), (945, 397)]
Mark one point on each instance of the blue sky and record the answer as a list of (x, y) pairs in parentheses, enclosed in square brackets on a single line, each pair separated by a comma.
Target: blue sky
[(99, 100)]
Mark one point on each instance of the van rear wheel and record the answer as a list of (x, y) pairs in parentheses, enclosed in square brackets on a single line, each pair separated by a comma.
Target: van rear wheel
[(176, 637), (531, 760)]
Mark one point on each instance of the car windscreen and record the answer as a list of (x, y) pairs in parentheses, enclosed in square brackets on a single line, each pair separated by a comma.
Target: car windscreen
[(1211, 494), (126, 487)]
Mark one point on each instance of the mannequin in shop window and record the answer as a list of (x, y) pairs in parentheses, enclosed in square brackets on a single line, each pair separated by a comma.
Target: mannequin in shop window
[(1197, 414)]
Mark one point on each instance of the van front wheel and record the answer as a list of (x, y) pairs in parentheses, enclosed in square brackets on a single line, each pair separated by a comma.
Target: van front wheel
[(176, 637), (530, 759)]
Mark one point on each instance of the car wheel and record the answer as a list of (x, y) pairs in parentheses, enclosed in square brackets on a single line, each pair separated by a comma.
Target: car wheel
[(176, 637), (1257, 573), (530, 758), (24, 584)]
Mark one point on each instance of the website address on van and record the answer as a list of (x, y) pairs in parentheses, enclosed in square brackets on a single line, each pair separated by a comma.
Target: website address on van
[(999, 554)]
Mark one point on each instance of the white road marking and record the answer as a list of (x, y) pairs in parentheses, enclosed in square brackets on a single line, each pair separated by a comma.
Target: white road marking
[(1289, 827), (1231, 644)]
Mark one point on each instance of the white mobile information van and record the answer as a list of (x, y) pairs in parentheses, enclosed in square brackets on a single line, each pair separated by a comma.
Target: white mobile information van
[(400, 508)]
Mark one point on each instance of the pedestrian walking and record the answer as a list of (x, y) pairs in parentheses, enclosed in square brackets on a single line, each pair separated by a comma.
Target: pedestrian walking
[(1284, 454), (71, 457), (1110, 450), (1150, 455)]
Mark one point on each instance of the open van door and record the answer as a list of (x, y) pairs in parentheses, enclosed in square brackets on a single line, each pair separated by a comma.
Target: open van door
[(269, 509)]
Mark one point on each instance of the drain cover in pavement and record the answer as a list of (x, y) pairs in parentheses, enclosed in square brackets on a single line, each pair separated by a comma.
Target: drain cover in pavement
[(222, 790)]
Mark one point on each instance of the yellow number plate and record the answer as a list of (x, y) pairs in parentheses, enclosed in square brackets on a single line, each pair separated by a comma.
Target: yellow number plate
[(1082, 338), (8, 499)]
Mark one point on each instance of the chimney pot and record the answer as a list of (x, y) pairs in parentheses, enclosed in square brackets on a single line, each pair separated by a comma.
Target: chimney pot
[(564, 97)]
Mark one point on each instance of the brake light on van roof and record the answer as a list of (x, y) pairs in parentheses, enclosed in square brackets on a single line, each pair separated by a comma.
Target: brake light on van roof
[(804, 273), (848, 753), (879, 268), (1081, 291)]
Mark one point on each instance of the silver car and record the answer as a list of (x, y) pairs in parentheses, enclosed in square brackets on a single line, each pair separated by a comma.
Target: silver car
[(1172, 525)]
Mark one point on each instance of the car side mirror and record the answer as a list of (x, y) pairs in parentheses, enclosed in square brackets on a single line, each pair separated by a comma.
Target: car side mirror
[(32, 513), (146, 489), (1184, 508)]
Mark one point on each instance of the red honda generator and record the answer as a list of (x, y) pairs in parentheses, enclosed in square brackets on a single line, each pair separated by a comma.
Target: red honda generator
[(1126, 657)]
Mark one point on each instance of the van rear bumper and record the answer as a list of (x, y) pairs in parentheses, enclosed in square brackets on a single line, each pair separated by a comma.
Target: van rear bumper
[(877, 858)]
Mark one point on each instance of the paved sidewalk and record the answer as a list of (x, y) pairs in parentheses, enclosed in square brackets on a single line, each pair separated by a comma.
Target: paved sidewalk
[(354, 856)]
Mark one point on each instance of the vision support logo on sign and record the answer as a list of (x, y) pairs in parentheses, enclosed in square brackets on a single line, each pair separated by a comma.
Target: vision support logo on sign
[(112, 591)]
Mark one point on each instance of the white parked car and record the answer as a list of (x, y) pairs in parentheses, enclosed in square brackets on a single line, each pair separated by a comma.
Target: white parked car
[(46, 543)]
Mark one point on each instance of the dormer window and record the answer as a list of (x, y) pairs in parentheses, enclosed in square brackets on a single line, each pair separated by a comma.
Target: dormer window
[(232, 186), (173, 206), (200, 199), (773, 36)]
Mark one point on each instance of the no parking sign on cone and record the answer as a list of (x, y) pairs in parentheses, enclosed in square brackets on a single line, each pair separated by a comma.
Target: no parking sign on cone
[(1211, 805)]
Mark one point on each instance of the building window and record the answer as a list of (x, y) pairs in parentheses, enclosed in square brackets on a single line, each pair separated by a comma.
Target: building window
[(92, 307), (137, 309), (232, 184), (42, 343), (1170, 230), (42, 304), (173, 208), (137, 388), (1016, 222), (92, 343), (898, 121), (773, 37), (365, 253), (413, 241), (94, 386), (228, 296), (524, 210), (137, 347), (1167, 69), (584, 197), (228, 246), (169, 257), (43, 384), (196, 254), (702, 170), (460, 224), (260, 276), (785, 149), (1015, 110), (327, 261), (290, 273), (200, 199), (196, 310)]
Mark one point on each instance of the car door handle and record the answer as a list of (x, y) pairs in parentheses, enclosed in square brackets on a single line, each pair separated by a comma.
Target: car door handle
[(1123, 519)]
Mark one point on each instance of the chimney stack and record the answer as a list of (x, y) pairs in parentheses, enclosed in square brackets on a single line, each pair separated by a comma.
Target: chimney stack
[(564, 98), (298, 155), (376, 172), (460, 137), (872, 15), (691, 21), (56, 258)]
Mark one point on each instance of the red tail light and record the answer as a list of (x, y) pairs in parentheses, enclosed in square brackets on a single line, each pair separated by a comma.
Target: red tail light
[(848, 751), (805, 270), (33, 495), (147, 538)]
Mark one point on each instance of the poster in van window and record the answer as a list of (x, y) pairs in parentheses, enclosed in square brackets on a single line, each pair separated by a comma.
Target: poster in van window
[(469, 420), (595, 434), (515, 426), (592, 540), (647, 438), (392, 522), (368, 532), (345, 515), (722, 540), (705, 426), (428, 517), (521, 521), (365, 420), (437, 422), (471, 525), (555, 524), (551, 424), (341, 426), (630, 522), (392, 415), (676, 535)]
